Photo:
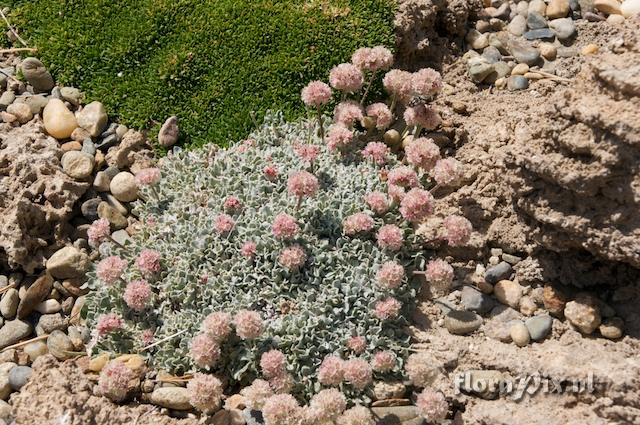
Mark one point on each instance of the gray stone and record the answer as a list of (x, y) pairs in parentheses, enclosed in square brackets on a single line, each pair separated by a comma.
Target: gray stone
[(501, 69), (523, 52), (517, 82), (479, 71), (110, 130), (176, 398), (14, 331), (540, 34), (49, 323), (88, 147), (60, 346), (37, 75), (492, 54), (519, 334), (68, 262), (89, 208), (121, 130), (169, 132), (564, 28), (18, 376), (511, 259), (121, 236), (6, 99), (498, 272), (593, 17), (21, 111), (518, 25), (536, 21), (396, 415), (501, 12), (474, 300), (9, 303), (93, 118), (462, 322), (36, 103), (71, 95), (539, 326), (102, 182), (107, 142)]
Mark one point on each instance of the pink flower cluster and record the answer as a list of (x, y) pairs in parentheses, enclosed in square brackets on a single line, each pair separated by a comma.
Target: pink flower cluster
[(147, 177), (390, 275), (273, 363), (108, 323), (316, 94), (339, 136), (381, 114), (357, 415), (292, 258), (439, 272), (457, 230), (282, 383), (347, 113), (148, 262), (99, 231), (110, 269), (426, 82), (378, 202), (420, 369), (357, 344), (396, 193), (331, 371), (249, 324), (403, 176), (115, 381), (137, 295), (422, 115), (346, 77), (248, 249), (284, 226), (398, 84), (390, 237), (422, 153), (256, 394), (328, 403), (302, 184), (147, 337), (376, 152), (232, 204), (416, 205), (308, 153), (448, 172), (356, 223), (205, 392), (205, 351), (432, 406), (372, 59), (387, 309), (280, 409), (224, 224), (383, 361), (358, 373), (217, 325), (270, 172)]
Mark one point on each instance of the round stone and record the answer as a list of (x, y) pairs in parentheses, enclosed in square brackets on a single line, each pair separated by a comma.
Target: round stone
[(21, 111), (630, 8), (539, 326), (60, 346), (18, 376), (519, 334), (612, 328), (508, 292), (123, 187), (169, 132), (612, 19), (518, 25), (115, 218), (68, 262), (89, 208), (610, 7), (176, 398), (462, 322), (583, 314), (35, 350), (77, 165), (564, 28), (517, 82), (548, 51), (557, 9), (37, 75), (58, 120), (93, 118), (520, 69)]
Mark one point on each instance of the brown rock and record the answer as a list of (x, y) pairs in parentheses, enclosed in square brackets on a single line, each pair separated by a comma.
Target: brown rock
[(122, 155), (36, 293), (169, 133), (612, 328), (557, 9), (79, 134), (508, 292), (71, 146), (554, 301), (115, 218)]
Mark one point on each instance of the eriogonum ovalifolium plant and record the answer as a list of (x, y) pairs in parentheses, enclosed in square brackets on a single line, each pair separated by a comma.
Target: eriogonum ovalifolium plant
[(286, 263)]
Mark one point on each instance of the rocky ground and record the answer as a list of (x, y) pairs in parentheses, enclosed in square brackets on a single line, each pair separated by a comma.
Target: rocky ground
[(549, 286)]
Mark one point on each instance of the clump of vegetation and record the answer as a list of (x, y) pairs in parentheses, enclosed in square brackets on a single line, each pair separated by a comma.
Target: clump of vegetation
[(210, 62)]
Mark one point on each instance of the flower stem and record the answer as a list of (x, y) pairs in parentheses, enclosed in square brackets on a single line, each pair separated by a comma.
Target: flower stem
[(320, 124), (366, 90)]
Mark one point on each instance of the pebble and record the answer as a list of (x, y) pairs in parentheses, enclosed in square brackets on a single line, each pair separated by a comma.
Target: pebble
[(36, 103), (518, 25), (97, 363), (523, 52), (630, 8), (539, 327), (115, 218), (89, 208), (18, 376), (483, 26), (116, 204), (9, 303), (5, 386), (554, 300), (492, 55), (474, 300), (397, 415), (508, 293), (479, 71), (169, 132), (541, 34), (8, 118), (60, 346), (37, 75), (527, 306), (476, 40), (5, 411), (522, 9), (564, 28), (593, 17), (68, 262), (50, 322), (538, 6), (498, 272), (610, 7), (615, 19), (501, 70), (77, 165), (519, 334), (548, 51), (533, 76), (123, 187), (14, 331), (460, 322), (71, 95), (107, 142), (612, 328), (557, 9), (517, 82), (176, 398), (500, 83), (6, 99), (520, 69), (88, 146), (35, 350), (59, 121), (102, 182), (382, 390), (21, 111), (583, 314), (536, 21), (49, 306), (93, 118), (70, 146), (38, 291)]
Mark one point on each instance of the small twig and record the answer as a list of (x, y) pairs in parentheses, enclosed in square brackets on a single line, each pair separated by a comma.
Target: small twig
[(552, 76), (6, 288), (18, 49), (29, 341), (162, 340), (178, 379), (24, 43)]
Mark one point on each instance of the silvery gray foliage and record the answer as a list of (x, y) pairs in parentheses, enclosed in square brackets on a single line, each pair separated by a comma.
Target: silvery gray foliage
[(308, 313)]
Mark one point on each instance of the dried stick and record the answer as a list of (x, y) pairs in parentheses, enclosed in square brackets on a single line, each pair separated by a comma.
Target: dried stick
[(18, 49), (29, 341), (163, 340), (24, 43)]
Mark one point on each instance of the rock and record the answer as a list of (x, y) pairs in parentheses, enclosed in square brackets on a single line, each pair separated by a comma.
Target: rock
[(564, 28), (499, 326), (123, 187), (14, 331), (522, 9), (462, 322), (518, 25), (36, 103), (49, 323), (554, 300), (498, 272), (593, 17), (35, 350), (68, 262), (517, 82), (491, 54), (388, 390), (77, 165), (59, 121), (539, 327), (583, 314), (500, 41), (527, 306), (176, 398), (38, 291), (476, 40), (615, 19), (480, 71), (97, 363), (60, 346), (71, 95), (630, 8), (21, 111), (536, 21), (70, 146), (37, 75), (538, 6), (501, 70), (508, 293), (519, 334), (102, 182), (610, 7), (5, 386), (523, 52), (89, 208), (49, 306), (5, 411), (548, 51), (93, 118), (590, 49), (9, 303), (80, 134), (396, 415), (169, 132), (88, 146), (557, 9), (520, 69), (18, 376), (474, 300), (612, 328), (117, 220), (121, 236), (541, 34), (6, 99)]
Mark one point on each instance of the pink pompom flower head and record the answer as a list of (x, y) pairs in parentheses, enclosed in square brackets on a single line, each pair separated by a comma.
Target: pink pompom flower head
[(331, 371), (147, 177), (357, 344), (110, 269), (403, 176), (316, 94), (356, 223), (439, 272), (99, 231), (346, 77), (115, 381), (248, 250), (256, 394), (270, 172), (381, 114), (390, 237), (422, 153), (372, 59), (108, 323), (249, 324), (457, 230), (224, 224), (282, 383), (205, 392), (426, 82), (377, 152), (328, 404), (339, 137), (273, 363), (422, 116), (307, 153), (232, 204), (448, 172), (205, 351), (387, 309), (148, 262), (280, 409), (302, 184), (383, 361), (284, 226), (358, 373), (217, 325), (292, 258), (137, 295), (348, 113), (147, 337), (416, 205), (398, 84), (396, 193), (378, 202), (432, 406), (390, 275)]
